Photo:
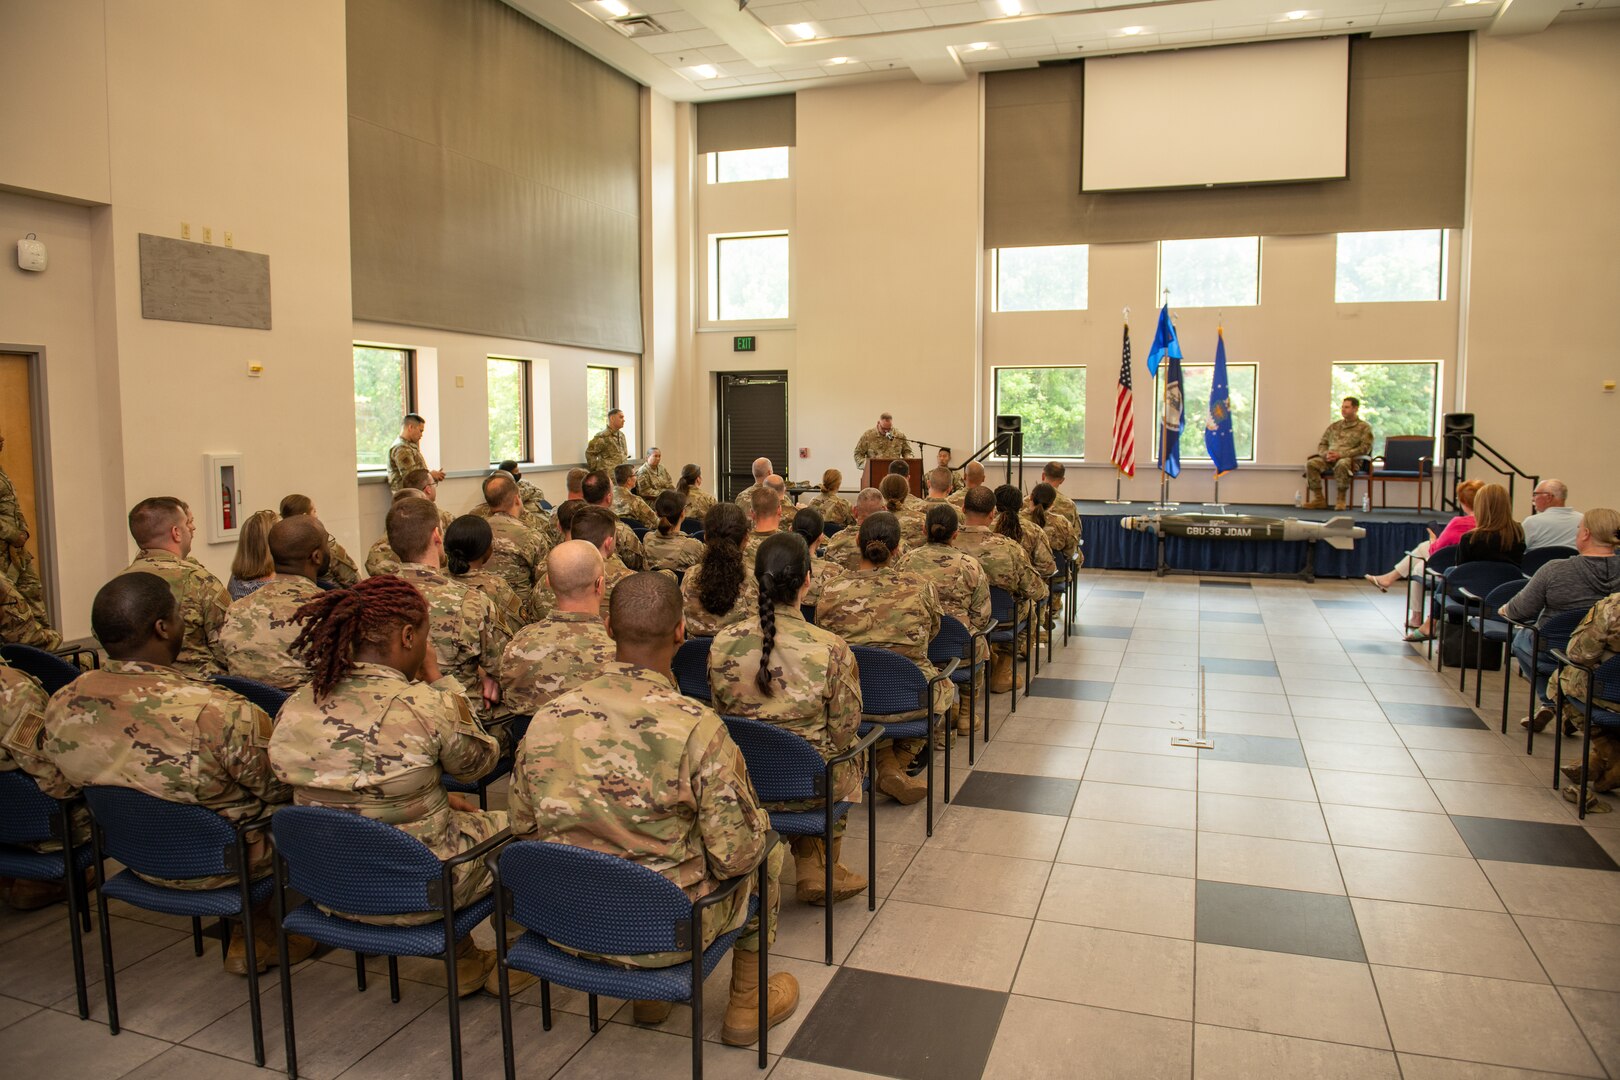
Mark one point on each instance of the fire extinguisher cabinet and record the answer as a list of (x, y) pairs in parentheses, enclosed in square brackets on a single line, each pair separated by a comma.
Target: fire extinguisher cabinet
[(224, 497)]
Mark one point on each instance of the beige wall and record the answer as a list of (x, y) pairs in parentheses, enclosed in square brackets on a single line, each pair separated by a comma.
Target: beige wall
[(53, 113), (1544, 273)]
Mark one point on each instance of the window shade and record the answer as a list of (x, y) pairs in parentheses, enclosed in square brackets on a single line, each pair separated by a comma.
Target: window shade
[(494, 177), (1407, 142), (745, 124)]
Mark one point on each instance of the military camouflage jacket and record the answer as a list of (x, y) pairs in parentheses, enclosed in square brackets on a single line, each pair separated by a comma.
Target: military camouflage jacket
[(203, 603), (822, 571), (517, 555), (22, 711), (1347, 438), (628, 765), (613, 572), (378, 745), (931, 502), (1060, 534), (259, 632), (1595, 640), (745, 497), (507, 606), (404, 458), (700, 622), (629, 505), (467, 633), (540, 523), (381, 559), (342, 568), (677, 551), (605, 450), (20, 622), (959, 580), (652, 481), (816, 687), (1004, 562), (876, 444), (531, 497), (698, 503), (627, 547), (913, 527), (835, 509), (845, 548), (957, 498), (552, 657), (1036, 546)]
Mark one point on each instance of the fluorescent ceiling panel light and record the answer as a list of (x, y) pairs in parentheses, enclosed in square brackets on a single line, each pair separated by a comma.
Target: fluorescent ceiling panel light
[(706, 71), (1295, 16), (1131, 31), (1010, 7), (839, 60), (615, 8), (978, 46), (803, 31)]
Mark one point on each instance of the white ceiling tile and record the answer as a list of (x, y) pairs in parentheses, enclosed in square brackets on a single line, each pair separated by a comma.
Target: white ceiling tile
[(1025, 52), (1405, 18), (851, 27), (1060, 7), (665, 43), (875, 7), (677, 22), (901, 20), (1393, 6), (721, 54), (835, 9), (952, 14), (1186, 36), (1248, 30), (837, 70), (758, 80), (702, 39), (1295, 26), (783, 14), (1467, 11), (719, 84), (794, 74)]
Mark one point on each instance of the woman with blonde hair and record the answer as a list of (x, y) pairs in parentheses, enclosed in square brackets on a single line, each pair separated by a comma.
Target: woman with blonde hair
[(835, 509), (252, 566), (1495, 537), (1451, 534)]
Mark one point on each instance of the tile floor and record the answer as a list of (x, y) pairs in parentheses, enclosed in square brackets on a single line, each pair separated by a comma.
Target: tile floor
[(1363, 878)]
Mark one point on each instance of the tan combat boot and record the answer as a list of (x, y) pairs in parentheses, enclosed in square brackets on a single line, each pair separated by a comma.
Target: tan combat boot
[(266, 956), (1340, 501), (473, 967), (893, 781), (810, 856), (741, 1026), (651, 1012), (1316, 502), (1001, 673), (23, 894), (965, 723)]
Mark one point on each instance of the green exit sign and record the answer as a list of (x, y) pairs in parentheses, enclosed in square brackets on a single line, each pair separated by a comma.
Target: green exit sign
[(742, 343)]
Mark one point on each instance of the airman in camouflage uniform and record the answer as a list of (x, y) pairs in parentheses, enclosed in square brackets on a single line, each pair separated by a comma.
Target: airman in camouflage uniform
[(628, 504), (22, 711), (16, 564), (822, 572), (698, 503), (553, 657), (835, 509), (203, 604), (700, 622), (1007, 567), (1346, 440), (380, 559), (517, 555), (1595, 640), (932, 501), (404, 458), (20, 621), (964, 595), (259, 629), (508, 608), (467, 634), (607, 449), (652, 479), (882, 441), (340, 568), (844, 550), (676, 551)]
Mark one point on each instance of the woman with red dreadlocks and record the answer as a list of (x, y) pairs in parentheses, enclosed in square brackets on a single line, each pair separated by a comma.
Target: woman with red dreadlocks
[(364, 737)]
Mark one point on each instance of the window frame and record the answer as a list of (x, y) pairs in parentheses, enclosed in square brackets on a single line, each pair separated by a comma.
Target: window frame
[(525, 403), (1442, 273), (408, 362), (1259, 272), (1434, 412), (712, 169), (1158, 406), (715, 240), (612, 395), (995, 280), (995, 406)]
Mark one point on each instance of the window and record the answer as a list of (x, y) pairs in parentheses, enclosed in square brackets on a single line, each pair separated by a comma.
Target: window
[(1041, 278), (741, 166), (749, 278), (384, 391), (1396, 398), (1052, 401), (1196, 380), (601, 396), (1378, 267), (508, 382), (1224, 272)]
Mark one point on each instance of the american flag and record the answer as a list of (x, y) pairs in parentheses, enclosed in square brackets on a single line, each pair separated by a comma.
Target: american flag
[(1124, 457)]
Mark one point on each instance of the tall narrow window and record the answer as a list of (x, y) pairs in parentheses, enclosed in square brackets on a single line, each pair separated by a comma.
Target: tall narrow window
[(601, 396), (749, 278), (1041, 278), (1196, 380), (1052, 402), (508, 382), (1381, 267), (1221, 272), (1397, 398), (384, 391), (741, 166)]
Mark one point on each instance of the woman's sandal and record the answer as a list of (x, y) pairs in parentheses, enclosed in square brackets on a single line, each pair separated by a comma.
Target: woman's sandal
[(1373, 580)]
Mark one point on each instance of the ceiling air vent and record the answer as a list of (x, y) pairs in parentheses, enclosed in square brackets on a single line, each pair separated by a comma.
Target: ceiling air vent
[(638, 26)]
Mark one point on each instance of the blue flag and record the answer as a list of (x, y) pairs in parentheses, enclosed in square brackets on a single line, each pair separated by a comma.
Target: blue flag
[(1170, 426), (1164, 343), (1218, 438)]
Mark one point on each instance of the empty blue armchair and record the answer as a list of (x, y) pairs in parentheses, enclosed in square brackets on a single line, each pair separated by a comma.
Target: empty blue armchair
[(52, 671), (28, 817), (691, 667), (1407, 459)]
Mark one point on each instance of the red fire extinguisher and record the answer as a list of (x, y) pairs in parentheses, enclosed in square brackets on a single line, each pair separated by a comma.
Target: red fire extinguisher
[(225, 506)]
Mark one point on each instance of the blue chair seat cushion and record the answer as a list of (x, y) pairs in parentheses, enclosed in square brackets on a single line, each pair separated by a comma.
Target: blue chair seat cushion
[(911, 729), (1400, 474), (217, 903), (424, 940), (16, 862), (537, 956), (804, 822), (1601, 717)]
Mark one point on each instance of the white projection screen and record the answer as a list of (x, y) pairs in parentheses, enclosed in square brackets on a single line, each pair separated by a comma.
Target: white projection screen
[(1238, 114)]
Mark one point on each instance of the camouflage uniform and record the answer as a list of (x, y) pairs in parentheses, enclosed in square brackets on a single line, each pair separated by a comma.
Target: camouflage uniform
[(467, 634), (381, 559), (888, 609), (16, 564), (1006, 566), (835, 509), (627, 546), (816, 691), (1065, 506), (508, 608), (703, 623), (404, 458), (605, 451), (931, 502), (698, 503), (540, 523), (517, 554), (154, 729), (629, 766), (378, 745), (957, 483), (538, 607), (1060, 535), (745, 498), (553, 657), (341, 568), (1595, 640), (613, 572), (20, 621), (874, 444), (627, 504), (913, 527), (22, 717), (652, 481), (1036, 547), (677, 551), (1350, 439), (963, 588), (531, 497), (845, 548), (751, 545), (203, 603), (259, 630), (822, 571)]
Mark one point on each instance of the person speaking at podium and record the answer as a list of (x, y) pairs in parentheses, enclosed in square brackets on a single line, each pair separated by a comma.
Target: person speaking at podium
[(882, 441)]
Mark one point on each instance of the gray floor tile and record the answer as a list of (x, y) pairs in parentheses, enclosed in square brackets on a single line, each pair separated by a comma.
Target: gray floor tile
[(13, 1010), (1072, 689), (1109, 969), (184, 1063), (1278, 920), (1233, 1054), (1455, 716), (1256, 750), (968, 948), (1218, 665), (619, 1051), (53, 1044), (1533, 842)]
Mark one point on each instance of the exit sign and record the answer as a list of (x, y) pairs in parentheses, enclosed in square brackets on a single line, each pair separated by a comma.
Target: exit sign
[(742, 343)]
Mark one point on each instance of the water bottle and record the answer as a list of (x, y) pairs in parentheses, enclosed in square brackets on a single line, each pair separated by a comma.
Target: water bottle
[(1299, 498), (1366, 502)]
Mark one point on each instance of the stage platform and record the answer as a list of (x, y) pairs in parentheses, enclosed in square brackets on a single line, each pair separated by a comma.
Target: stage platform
[(1390, 534)]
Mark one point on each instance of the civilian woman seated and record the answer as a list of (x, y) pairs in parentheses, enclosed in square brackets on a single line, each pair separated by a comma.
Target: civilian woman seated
[(253, 566), (1451, 534), (1495, 537)]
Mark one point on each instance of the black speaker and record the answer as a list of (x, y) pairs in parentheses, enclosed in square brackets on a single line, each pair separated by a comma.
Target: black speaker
[(1456, 425), (1014, 427)]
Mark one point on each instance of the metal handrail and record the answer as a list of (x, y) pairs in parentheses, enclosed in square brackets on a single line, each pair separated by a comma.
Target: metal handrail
[(1495, 459)]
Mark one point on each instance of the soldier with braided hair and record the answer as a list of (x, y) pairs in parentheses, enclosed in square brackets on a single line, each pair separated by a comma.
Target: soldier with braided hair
[(376, 730), (717, 591), (1011, 523), (775, 667)]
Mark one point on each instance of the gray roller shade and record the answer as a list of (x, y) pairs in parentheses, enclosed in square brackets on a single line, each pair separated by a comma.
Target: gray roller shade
[(746, 124), (1407, 157), (494, 176)]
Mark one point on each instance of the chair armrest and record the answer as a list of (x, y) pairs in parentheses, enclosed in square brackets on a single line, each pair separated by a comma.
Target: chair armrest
[(950, 669), (478, 850), (1469, 596), (857, 748), (733, 884)]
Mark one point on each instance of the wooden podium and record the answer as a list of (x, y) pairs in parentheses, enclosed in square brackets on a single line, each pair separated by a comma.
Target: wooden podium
[(877, 468)]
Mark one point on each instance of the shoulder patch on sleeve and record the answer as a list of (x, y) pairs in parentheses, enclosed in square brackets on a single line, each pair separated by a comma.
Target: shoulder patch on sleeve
[(26, 735)]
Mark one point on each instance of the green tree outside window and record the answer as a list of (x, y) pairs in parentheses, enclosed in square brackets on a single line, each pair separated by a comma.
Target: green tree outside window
[(381, 399), (1396, 398), (1052, 402)]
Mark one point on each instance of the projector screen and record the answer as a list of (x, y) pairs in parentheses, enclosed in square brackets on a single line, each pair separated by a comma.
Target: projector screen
[(1239, 114)]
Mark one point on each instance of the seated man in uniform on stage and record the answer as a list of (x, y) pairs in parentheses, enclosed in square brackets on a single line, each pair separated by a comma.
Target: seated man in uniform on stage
[(1344, 441), (882, 441), (943, 461)]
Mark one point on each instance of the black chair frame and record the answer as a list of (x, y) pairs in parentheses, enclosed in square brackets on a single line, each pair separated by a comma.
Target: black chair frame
[(1588, 711)]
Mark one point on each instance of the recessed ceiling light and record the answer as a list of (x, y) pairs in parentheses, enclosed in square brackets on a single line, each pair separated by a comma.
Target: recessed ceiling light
[(615, 8), (1131, 31), (978, 46), (705, 71), (1470, 1), (1295, 16), (803, 31), (839, 60), (1010, 7)]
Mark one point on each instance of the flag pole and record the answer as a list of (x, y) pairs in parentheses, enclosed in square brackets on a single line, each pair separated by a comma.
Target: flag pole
[(1217, 504), (1164, 502), (1119, 474)]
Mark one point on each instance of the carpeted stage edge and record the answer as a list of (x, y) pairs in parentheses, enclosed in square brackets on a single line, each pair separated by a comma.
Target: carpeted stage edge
[(1390, 535)]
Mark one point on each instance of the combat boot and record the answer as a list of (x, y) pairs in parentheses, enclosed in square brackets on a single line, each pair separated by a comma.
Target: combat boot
[(1315, 502), (23, 894), (265, 955), (965, 722), (1340, 501), (651, 1012), (473, 966), (893, 781), (1001, 673), (810, 856), (741, 1025)]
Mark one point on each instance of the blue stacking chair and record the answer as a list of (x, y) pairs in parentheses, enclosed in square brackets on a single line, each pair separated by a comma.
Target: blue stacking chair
[(265, 696), (348, 862), (809, 613), (1537, 558), (29, 816), (1602, 681), (892, 685), (1451, 608), (175, 841), (607, 906), (1062, 585), (830, 529), (1010, 619), (955, 642), (691, 667), (636, 527), (52, 671), (545, 506), (692, 527), (1551, 634), (1429, 575), (1489, 626), (786, 768)]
